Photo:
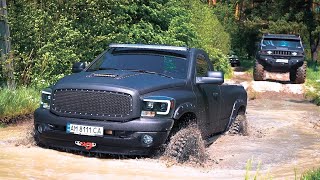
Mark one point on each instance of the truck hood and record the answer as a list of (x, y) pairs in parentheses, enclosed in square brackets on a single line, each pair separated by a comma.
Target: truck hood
[(136, 81)]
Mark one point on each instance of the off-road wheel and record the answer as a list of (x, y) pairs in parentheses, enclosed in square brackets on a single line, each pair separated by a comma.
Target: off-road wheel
[(185, 144), (239, 126), (298, 76), (258, 72)]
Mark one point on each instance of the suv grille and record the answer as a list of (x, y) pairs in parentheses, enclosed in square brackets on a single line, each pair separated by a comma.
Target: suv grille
[(85, 102), (286, 53)]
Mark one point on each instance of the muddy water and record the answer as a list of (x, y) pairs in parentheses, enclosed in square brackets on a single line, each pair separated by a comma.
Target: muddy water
[(283, 139)]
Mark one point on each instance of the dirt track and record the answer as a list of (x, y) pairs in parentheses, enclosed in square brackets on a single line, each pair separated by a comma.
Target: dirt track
[(284, 137)]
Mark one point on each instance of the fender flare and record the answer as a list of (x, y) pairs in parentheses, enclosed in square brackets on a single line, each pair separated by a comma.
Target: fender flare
[(184, 108), (236, 106)]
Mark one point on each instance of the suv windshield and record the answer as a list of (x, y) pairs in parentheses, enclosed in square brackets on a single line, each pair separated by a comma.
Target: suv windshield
[(156, 62), (281, 43)]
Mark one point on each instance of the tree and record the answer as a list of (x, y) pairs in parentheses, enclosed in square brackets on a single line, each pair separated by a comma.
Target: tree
[(6, 56)]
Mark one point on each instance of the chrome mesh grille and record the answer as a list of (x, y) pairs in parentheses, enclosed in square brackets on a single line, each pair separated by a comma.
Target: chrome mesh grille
[(91, 103), (286, 53)]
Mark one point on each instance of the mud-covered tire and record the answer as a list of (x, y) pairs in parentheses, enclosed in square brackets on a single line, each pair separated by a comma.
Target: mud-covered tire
[(298, 76), (185, 144), (239, 126), (258, 72)]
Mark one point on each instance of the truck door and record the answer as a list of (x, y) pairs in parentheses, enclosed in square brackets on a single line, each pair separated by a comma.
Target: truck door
[(208, 97)]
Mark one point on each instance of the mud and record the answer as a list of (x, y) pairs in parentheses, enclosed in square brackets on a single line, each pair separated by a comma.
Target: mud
[(284, 139), (16, 120)]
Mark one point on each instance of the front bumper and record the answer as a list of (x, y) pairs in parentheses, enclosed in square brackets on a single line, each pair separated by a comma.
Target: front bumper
[(126, 137), (274, 63)]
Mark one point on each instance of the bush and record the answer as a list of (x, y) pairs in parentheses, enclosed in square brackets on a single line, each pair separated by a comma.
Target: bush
[(18, 102), (221, 62), (49, 36)]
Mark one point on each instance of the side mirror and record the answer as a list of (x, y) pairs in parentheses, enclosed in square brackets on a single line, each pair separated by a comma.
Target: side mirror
[(78, 67), (214, 77), (216, 74)]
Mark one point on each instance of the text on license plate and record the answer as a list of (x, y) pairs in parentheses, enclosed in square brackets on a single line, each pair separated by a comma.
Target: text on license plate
[(84, 130), (282, 60)]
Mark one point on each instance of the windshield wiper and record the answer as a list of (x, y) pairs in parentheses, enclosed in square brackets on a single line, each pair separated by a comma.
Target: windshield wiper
[(108, 68), (149, 72)]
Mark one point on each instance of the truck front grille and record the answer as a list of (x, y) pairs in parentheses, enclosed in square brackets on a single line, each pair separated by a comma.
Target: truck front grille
[(98, 103), (286, 53)]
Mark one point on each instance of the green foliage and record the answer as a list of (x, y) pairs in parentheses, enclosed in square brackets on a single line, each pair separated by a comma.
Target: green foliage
[(18, 102), (311, 175), (210, 32), (243, 34), (221, 62), (313, 74), (49, 36), (211, 36)]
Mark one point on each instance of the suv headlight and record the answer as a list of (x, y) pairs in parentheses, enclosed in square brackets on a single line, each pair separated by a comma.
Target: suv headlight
[(45, 99), (156, 106)]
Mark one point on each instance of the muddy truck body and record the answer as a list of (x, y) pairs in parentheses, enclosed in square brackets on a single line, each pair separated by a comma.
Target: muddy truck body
[(131, 98), (281, 53)]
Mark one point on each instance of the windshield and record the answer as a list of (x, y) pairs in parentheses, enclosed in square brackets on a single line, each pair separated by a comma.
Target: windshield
[(149, 61), (281, 43)]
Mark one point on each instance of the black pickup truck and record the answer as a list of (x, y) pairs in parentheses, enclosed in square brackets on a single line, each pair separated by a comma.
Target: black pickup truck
[(133, 98)]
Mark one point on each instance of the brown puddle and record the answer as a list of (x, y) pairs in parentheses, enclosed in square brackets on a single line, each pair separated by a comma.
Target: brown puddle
[(283, 140)]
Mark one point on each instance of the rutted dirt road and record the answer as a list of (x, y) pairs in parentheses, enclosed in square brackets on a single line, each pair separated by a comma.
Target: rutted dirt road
[(284, 138)]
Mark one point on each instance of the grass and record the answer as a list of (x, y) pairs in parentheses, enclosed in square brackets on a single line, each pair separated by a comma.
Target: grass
[(18, 102), (311, 175), (257, 174), (313, 90)]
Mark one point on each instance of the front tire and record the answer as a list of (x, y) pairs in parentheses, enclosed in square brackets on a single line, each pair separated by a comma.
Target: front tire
[(298, 76), (185, 144), (258, 72)]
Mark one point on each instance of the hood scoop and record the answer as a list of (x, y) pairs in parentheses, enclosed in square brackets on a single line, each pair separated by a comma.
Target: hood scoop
[(104, 75)]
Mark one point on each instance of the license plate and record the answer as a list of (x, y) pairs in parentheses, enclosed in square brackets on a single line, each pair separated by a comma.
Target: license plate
[(282, 60), (84, 130)]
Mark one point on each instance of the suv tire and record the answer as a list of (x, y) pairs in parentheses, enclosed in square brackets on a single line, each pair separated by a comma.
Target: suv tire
[(258, 72), (298, 76)]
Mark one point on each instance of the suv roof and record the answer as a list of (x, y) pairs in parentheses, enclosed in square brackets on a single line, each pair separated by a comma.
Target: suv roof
[(282, 36)]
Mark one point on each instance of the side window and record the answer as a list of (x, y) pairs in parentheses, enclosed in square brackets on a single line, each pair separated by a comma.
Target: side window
[(202, 66)]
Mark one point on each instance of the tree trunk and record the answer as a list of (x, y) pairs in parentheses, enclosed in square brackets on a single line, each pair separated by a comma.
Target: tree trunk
[(212, 2), (6, 54), (314, 43), (315, 55)]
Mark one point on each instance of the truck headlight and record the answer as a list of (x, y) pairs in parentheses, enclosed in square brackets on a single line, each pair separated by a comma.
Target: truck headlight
[(45, 99), (153, 107)]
